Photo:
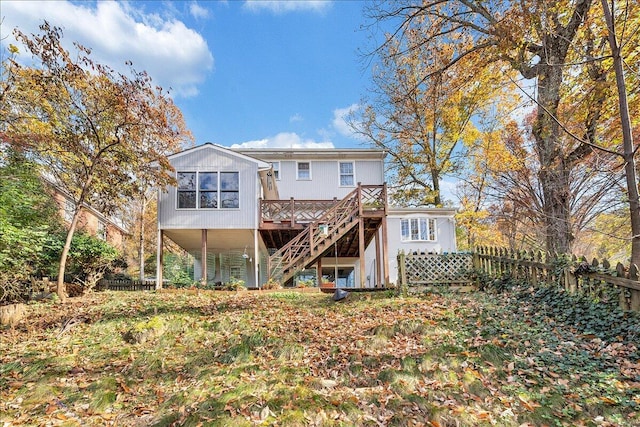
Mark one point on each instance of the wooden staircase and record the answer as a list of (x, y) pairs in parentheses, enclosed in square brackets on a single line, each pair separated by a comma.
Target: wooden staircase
[(319, 236)]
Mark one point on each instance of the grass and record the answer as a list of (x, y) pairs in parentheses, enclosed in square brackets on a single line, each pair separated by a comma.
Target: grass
[(297, 359)]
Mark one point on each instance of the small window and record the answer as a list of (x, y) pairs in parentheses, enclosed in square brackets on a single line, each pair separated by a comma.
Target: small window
[(69, 210), (304, 170), (346, 174), (101, 230), (276, 170), (418, 229)]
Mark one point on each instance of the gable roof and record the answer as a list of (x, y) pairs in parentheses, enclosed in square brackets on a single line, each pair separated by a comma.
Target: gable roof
[(226, 150)]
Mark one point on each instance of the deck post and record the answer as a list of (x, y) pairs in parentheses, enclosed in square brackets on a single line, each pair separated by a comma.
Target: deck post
[(319, 272), (159, 259), (361, 249), (203, 261), (378, 280), (256, 263), (293, 212), (385, 241)]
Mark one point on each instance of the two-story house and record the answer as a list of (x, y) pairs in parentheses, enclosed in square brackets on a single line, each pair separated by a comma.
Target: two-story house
[(256, 214)]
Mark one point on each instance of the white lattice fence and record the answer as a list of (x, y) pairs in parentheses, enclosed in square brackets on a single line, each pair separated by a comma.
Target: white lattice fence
[(442, 269)]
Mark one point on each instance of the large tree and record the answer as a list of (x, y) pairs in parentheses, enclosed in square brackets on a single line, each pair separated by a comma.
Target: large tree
[(420, 110), (96, 132), (535, 39), (623, 26)]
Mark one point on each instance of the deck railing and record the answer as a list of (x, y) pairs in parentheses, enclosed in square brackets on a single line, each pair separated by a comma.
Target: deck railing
[(294, 211), (324, 231)]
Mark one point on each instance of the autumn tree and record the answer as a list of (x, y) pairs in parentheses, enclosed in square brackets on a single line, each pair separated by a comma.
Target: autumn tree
[(623, 26), (533, 38), (97, 133), (421, 111)]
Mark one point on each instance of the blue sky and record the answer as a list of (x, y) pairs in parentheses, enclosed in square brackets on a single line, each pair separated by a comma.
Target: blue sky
[(256, 73)]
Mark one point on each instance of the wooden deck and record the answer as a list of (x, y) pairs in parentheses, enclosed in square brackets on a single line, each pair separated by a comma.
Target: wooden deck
[(282, 220), (302, 232)]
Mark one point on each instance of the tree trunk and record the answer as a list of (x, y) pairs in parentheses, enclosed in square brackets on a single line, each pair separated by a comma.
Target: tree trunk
[(554, 176), (61, 288), (627, 137)]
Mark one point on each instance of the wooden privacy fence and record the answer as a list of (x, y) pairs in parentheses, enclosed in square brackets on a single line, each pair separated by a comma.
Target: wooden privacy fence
[(126, 285), (435, 269), (575, 275)]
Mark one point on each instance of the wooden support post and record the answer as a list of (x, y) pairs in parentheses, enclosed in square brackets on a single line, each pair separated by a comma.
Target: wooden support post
[(293, 212), (256, 260), (361, 249), (385, 248), (319, 272), (203, 263), (159, 259), (378, 279)]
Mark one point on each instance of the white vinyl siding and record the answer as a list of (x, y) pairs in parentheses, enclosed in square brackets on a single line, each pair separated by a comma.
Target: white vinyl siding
[(303, 171), (347, 174), (418, 230), (213, 190)]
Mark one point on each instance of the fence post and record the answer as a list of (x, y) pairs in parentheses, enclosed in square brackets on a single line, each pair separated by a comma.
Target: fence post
[(403, 273), (635, 294)]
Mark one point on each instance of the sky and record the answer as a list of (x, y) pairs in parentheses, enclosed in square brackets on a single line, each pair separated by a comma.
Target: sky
[(252, 73)]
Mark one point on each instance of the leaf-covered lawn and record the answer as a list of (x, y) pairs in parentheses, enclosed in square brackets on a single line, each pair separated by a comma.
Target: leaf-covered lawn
[(298, 359)]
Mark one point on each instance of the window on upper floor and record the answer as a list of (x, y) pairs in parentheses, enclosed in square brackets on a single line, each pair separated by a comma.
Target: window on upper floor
[(304, 170), (347, 175), (276, 170), (101, 230), (418, 230), (69, 210), (208, 190), (229, 190)]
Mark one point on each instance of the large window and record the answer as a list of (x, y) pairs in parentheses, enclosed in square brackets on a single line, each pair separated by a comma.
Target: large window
[(418, 229), (208, 184), (208, 190), (347, 178), (304, 170), (229, 190), (186, 190)]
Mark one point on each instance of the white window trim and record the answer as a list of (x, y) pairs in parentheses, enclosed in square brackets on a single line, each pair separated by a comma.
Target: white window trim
[(69, 210), (197, 190), (276, 176), (298, 172), (429, 231), (353, 173), (101, 230)]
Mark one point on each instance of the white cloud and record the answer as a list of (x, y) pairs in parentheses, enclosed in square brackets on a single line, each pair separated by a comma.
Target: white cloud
[(198, 11), (284, 140), (297, 117), (284, 6), (340, 119), (175, 56)]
